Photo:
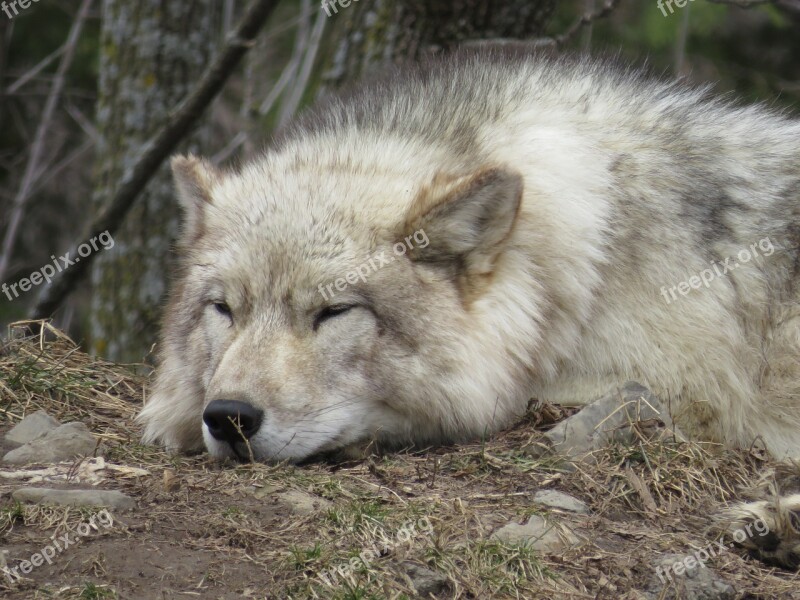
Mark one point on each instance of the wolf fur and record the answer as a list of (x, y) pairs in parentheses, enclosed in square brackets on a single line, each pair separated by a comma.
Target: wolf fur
[(569, 203)]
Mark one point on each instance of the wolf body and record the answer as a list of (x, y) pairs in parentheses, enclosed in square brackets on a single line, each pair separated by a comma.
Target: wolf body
[(585, 224)]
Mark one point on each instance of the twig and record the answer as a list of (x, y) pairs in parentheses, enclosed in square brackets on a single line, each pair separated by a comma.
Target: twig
[(680, 44), (88, 128), (158, 148), (792, 6), (287, 75), (301, 82), (742, 3), (590, 6), (547, 42), (54, 170), (232, 146), (43, 64), (301, 42), (586, 19), (31, 169)]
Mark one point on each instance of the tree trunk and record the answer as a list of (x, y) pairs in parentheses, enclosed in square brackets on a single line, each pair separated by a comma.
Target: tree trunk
[(369, 34), (152, 52)]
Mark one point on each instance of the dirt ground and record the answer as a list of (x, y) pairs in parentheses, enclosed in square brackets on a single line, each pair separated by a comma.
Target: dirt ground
[(202, 529)]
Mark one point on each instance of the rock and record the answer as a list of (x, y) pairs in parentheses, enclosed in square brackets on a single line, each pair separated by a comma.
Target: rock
[(609, 419), (560, 501), (32, 427), (692, 580), (66, 442), (109, 498), (538, 533), (424, 580), (171, 481), (301, 503), (266, 491)]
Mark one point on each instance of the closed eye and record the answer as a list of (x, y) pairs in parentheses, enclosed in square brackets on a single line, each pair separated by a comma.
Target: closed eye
[(223, 309), (329, 312)]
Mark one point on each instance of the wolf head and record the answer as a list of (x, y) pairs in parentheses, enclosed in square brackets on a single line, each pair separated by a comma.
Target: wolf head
[(323, 304)]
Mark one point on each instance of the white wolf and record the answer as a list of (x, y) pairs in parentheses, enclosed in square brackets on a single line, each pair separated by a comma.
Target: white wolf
[(573, 210)]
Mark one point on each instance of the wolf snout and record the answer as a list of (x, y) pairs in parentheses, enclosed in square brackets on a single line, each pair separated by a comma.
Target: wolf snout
[(232, 420)]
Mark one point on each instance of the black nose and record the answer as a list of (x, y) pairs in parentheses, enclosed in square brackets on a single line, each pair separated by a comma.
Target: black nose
[(231, 420)]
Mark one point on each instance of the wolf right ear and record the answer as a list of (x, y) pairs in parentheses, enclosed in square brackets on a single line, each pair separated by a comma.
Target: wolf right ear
[(194, 179), (468, 220)]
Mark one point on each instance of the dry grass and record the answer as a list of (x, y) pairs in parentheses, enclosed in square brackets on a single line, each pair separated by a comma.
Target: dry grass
[(646, 500)]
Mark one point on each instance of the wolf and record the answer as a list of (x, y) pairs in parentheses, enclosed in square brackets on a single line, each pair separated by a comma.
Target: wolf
[(587, 224)]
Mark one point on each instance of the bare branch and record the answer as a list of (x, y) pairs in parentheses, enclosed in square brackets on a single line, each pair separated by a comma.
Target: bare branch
[(587, 19), (83, 122), (159, 148), (549, 42), (43, 64), (224, 154), (31, 169), (300, 84), (300, 46), (55, 169), (586, 41), (742, 3), (791, 6), (680, 43), (288, 72)]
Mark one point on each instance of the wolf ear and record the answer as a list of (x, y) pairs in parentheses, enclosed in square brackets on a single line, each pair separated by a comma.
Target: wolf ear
[(467, 220), (194, 179)]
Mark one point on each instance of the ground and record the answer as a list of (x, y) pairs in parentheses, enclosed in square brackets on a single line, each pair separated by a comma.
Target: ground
[(203, 529)]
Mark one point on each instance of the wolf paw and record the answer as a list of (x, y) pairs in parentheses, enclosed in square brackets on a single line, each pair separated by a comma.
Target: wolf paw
[(769, 529)]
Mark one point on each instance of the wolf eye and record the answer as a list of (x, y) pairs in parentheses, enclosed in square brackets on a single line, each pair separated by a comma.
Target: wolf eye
[(223, 309), (329, 312)]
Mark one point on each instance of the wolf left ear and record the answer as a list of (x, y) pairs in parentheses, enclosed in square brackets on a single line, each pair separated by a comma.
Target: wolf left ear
[(468, 220), (194, 179)]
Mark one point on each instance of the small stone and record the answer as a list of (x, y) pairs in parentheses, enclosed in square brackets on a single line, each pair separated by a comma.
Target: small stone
[(301, 503), (266, 491), (424, 580), (171, 481), (560, 501), (538, 533), (66, 442), (695, 582), (109, 498), (32, 427)]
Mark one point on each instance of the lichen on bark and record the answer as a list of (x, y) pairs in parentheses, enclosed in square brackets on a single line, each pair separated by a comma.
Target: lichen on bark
[(152, 53)]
